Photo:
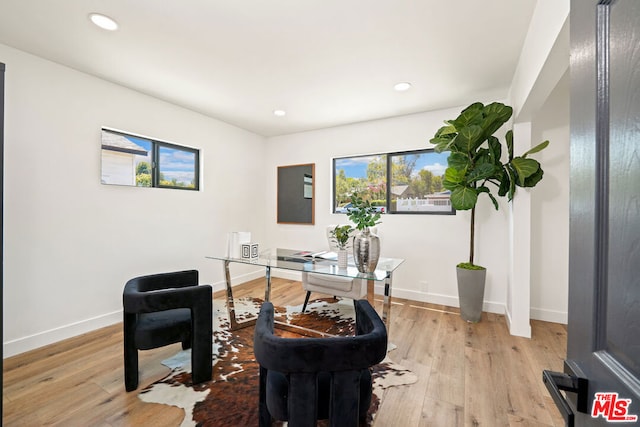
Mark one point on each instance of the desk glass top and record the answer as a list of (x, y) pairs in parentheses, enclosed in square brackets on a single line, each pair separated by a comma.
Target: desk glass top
[(290, 259)]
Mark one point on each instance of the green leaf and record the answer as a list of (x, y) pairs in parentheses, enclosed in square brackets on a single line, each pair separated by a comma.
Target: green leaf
[(447, 130), (467, 137), (449, 185), (469, 116), (453, 175), (495, 115), (505, 183), (512, 181), (464, 198), (537, 148), (495, 148), (458, 161), (524, 168), (487, 191), (503, 112), (481, 172), (509, 138), (493, 199), (532, 180), (442, 144)]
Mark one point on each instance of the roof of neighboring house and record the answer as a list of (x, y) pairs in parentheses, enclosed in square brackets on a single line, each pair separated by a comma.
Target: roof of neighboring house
[(115, 142), (398, 190)]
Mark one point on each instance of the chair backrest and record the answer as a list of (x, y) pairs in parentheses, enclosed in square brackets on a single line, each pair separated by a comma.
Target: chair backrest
[(288, 355), (301, 360), (139, 292)]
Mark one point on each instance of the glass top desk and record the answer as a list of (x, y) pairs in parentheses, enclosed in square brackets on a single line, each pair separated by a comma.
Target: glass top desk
[(287, 259)]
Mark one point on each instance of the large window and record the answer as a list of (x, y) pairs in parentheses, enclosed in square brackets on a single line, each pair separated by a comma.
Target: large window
[(408, 182), (144, 162)]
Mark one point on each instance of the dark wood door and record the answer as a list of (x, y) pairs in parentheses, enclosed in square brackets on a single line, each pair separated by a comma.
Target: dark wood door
[(604, 267)]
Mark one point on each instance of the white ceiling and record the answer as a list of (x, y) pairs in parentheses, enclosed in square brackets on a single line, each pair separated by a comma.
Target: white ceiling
[(326, 62)]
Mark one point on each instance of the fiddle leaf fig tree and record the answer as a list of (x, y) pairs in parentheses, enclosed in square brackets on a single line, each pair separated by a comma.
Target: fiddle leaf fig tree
[(475, 165)]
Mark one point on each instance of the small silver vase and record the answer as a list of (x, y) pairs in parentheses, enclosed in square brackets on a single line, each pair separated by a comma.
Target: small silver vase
[(366, 251)]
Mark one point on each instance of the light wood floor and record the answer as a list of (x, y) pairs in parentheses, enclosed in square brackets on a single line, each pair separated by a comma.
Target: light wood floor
[(469, 374)]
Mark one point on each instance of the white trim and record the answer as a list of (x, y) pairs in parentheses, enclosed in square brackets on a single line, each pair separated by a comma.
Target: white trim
[(518, 330), (238, 280), (31, 342), (286, 274), (546, 315)]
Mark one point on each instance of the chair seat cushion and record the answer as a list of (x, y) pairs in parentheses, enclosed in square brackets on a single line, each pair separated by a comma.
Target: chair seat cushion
[(162, 328), (344, 284), (278, 386)]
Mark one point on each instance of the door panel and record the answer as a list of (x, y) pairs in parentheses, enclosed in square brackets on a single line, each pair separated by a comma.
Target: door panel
[(604, 260), (623, 304)]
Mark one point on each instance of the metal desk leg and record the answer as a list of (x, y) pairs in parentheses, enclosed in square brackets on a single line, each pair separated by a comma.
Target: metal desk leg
[(231, 310), (370, 291), (386, 306), (230, 306), (267, 291)]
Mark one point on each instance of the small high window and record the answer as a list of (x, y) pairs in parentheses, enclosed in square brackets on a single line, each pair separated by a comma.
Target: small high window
[(144, 162)]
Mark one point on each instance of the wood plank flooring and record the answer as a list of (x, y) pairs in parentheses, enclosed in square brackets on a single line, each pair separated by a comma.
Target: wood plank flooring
[(468, 374)]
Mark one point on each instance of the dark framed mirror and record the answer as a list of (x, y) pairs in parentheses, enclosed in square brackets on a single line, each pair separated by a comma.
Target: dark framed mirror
[(296, 194)]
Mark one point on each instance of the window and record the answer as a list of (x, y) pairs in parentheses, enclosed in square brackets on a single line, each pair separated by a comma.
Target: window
[(416, 182), (408, 182), (365, 175), (144, 162)]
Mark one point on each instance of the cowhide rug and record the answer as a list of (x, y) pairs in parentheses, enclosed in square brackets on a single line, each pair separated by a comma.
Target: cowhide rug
[(231, 397)]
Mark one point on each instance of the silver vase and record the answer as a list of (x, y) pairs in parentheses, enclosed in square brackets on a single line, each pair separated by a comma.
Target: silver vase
[(366, 251)]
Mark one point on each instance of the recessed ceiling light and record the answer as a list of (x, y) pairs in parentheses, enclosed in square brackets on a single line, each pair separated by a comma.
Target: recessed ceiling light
[(279, 113), (402, 86), (103, 21)]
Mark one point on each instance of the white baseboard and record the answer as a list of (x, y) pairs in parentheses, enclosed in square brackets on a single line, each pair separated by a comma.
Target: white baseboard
[(549, 315), (448, 300), (236, 280), (31, 342), (286, 274)]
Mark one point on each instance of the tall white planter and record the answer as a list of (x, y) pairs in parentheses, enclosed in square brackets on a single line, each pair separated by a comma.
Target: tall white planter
[(471, 293)]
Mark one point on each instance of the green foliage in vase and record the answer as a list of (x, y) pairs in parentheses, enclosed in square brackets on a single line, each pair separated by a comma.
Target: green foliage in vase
[(341, 235), (362, 213)]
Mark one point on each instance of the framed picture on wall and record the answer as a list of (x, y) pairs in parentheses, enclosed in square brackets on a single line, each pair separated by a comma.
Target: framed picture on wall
[(295, 198)]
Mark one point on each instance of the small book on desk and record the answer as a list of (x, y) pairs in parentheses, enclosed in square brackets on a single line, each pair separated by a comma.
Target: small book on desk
[(321, 255)]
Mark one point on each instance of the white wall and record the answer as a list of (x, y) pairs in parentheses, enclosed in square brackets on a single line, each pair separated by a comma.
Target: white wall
[(432, 245), (550, 210), (70, 242)]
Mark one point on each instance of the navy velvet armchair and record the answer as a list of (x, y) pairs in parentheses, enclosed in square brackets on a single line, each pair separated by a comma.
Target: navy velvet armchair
[(306, 379), (163, 309)]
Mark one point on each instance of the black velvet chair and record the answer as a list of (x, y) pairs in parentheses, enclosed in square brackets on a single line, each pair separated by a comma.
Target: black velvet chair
[(303, 380), (163, 309)]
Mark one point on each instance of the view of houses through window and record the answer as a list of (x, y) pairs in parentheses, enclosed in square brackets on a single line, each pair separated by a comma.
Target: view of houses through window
[(365, 175), (404, 182), (143, 162)]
